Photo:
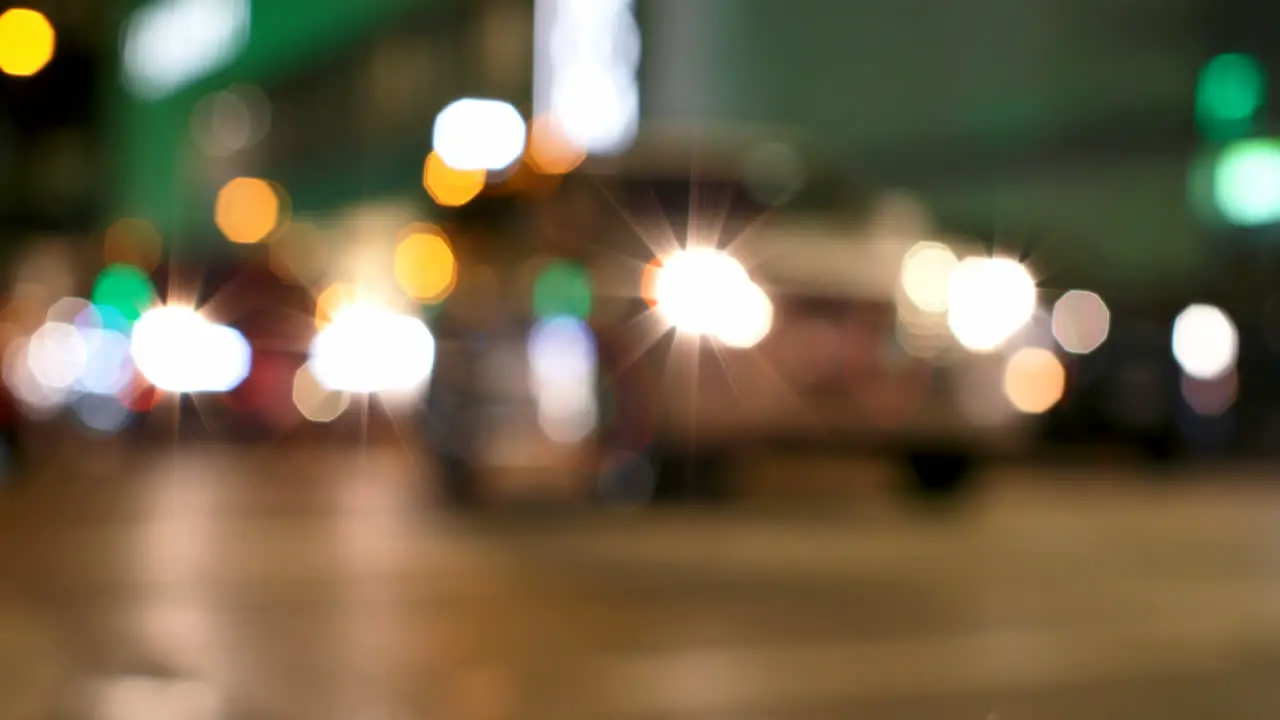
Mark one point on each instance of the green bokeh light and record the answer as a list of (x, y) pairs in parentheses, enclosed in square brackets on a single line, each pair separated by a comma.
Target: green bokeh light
[(124, 289), (1246, 182), (562, 288), (1231, 90)]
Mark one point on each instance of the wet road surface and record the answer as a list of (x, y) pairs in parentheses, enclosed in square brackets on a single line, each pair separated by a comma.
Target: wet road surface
[(321, 583)]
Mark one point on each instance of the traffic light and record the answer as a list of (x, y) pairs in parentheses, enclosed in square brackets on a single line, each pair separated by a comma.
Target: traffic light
[(1230, 92)]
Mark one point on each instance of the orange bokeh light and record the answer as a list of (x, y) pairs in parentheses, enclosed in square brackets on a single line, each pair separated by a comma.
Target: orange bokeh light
[(333, 299), (248, 210), (449, 186), (549, 151), (425, 266), (649, 282)]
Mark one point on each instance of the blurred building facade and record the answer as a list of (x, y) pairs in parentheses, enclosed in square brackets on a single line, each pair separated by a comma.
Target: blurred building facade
[(51, 128), (1066, 123)]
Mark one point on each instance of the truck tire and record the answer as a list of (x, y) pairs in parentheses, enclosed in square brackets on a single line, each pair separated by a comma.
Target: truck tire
[(458, 483), (938, 474), (685, 475)]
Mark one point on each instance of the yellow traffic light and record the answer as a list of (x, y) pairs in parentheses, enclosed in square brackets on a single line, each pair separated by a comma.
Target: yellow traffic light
[(27, 42)]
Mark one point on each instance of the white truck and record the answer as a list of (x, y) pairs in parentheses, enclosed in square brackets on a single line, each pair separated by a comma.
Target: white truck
[(722, 326)]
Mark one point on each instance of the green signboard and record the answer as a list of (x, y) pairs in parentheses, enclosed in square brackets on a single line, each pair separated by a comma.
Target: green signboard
[(152, 130)]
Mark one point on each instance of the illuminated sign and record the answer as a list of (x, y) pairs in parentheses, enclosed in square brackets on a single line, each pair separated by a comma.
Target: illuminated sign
[(173, 43), (586, 61)]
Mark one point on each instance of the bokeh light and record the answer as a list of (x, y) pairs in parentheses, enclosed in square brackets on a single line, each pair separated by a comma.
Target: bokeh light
[(926, 275), (57, 355), (1034, 380), (1081, 321), (367, 349), (316, 402), (125, 289), (1231, 89), (562, 287), (109, 364), (649, 282), (27, 42), (448, 186), (562, 366), (549, 150), (695, 287), (748, 319), (1205, 342), (170, 44), (479, 134), (73, 311), (333, 299), (1246, 182), (425, 266), (1210, 398), (35, 396), (231, 120), (586, 60), (101, 413), (132, 241), (247, 210), (989, 300), (179, 351)]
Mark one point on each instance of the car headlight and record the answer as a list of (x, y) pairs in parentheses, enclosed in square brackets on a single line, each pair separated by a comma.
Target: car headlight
[(706, 292), (989, 300), (178, 350), (367, 349)]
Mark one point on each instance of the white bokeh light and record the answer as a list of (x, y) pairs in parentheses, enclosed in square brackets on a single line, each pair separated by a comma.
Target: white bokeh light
[(586, 60), (695, 289), (35, 396), (367, 349), (748, 317), (178, 350), (562, 373), (170, 44), (479, 134), (989, 300), (109, 368), (926, 276), (1081, 321), (1205, 342), (57, 355)]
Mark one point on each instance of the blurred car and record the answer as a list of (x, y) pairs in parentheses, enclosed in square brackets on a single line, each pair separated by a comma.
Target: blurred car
[(724, 324)]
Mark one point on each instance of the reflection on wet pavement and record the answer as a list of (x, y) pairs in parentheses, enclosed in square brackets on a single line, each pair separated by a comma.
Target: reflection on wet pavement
[(299, 583)]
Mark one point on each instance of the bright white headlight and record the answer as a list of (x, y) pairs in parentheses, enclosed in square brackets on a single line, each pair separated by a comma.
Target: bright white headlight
[(367, 349), (177, 350), (706, 292), (990, 299)]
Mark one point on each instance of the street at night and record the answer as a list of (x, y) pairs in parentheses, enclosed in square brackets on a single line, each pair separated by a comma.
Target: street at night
[(292, 582)]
